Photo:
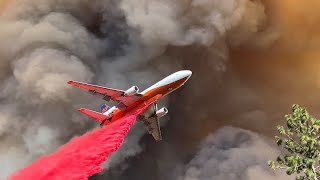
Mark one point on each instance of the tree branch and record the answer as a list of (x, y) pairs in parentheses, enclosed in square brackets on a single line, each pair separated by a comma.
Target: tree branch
[(293, 140), (315, 173)]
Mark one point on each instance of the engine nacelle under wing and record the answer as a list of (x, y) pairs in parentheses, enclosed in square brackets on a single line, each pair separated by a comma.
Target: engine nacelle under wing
[(161, 112), (131, 91)]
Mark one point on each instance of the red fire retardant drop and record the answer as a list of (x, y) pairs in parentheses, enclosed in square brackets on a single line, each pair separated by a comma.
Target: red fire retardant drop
[(82, 156)]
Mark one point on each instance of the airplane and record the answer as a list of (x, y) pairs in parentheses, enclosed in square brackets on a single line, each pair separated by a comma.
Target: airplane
[(132, 99)]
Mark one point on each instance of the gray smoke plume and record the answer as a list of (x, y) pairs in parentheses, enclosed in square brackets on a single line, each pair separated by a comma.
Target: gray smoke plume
[(232, 153), (45, 43)]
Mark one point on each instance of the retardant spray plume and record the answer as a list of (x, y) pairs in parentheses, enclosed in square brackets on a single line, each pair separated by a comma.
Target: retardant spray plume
[(82, 156)]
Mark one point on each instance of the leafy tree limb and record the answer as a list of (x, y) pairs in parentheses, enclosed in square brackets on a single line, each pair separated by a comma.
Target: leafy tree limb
[(300, 138)]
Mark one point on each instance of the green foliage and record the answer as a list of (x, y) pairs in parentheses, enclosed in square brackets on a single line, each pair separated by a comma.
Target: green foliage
[(300, 138)]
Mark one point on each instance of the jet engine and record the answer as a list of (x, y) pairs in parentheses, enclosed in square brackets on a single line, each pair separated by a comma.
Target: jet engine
[(109, 111), (161, 112), (131, 91)]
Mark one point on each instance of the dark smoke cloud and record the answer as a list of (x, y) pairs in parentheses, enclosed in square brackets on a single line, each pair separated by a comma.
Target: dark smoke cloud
[(238, 50), (43, 45), (232, 153), (248, 78)]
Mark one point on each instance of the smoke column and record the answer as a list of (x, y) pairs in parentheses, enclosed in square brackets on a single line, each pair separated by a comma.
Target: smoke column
[(248, 78), (82, 156), (252, 59), (233, 154), (43, 44)]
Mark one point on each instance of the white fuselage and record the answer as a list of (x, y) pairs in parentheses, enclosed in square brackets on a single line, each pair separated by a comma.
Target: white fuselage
[(170, 79), (169, 82)]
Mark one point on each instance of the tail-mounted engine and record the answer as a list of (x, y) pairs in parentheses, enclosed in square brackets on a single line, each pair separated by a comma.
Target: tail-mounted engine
[(109, 111), (131, 91), (161, 112)]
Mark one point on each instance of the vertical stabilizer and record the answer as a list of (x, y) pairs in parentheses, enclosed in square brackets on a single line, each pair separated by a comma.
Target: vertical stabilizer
[(104, 108)]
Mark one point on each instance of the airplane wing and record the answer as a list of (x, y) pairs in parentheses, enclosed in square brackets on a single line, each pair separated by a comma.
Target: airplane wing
[(152, 122), (153, 127), (108, 94)]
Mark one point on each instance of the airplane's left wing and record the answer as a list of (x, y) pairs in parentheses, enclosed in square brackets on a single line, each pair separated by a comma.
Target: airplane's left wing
[(152, 122), (153, 127)]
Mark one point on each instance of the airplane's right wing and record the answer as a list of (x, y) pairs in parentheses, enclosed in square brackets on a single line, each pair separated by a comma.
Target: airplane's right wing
[(108, 94)]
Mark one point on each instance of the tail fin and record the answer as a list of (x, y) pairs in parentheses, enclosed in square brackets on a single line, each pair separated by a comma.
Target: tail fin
[(104, 108), (94, 115)]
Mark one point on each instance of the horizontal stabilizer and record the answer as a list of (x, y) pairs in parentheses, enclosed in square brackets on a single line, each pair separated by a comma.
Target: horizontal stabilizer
[(93, 114)]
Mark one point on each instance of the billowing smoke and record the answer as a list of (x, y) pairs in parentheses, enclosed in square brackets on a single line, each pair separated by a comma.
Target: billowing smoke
[(251, 60), (43, 45), (232, 153), (248, 78)]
